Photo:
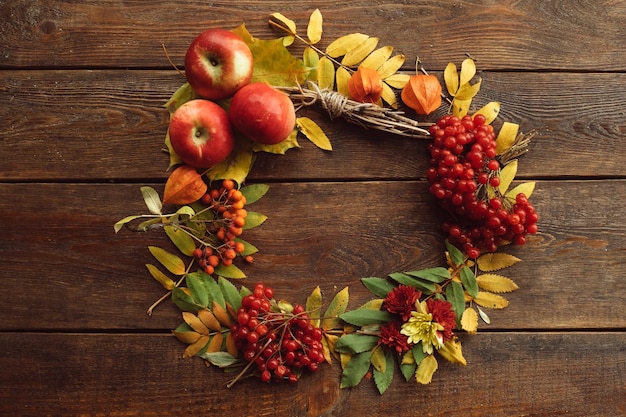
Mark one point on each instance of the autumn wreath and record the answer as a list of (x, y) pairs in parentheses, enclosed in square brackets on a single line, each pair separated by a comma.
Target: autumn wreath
[(411, 319)]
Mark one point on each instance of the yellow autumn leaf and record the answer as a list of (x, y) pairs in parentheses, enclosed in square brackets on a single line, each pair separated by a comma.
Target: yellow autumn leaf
[(328, 344), (451, 77), (187, 337), (490, 262), (163, 279), (342, 78), (490, 111), (453, 352), (313, 306), (231, 346), (468, 70), (360, 52), (285, 24), (467, 90), (506, 137), (507, 175), (377, 58), (310, 58), (389, 96), (209, 320), (496, 283), (460, 107), (344, 358), (426, 369), (397, 80), (196, 347), (391, 66), (325, 73), (408, 358), (314, 29), (527, 188), (469, 320), (314, 133), (342, 45), (490, 300), (170, 261), (215, 345), (378, 359), (194, 322), (337, 307)]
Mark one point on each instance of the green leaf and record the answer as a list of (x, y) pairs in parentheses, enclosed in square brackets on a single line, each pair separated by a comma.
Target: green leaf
[(404, 279), (181, 239), (314, 133), (355, 369), (170, 261), (378, 286), (248, 248), (454, 295), (230, 271), (220, 359), (455, 254), (355, 343), (183, 300), (469, 281), (365, 317), (418, 353), (118, 226), (230, 292), (437, 275), (337, 307), (199, 291), (254, 219), (408, 365), (254, 192), (383, 379), (152, 200)]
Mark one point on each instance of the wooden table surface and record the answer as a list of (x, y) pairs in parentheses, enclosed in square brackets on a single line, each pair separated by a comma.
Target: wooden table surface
[(82, 88)]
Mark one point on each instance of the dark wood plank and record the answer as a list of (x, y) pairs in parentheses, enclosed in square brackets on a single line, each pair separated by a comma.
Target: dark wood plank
[(508, 374), (110, 125), (581, 35), (64, 268)]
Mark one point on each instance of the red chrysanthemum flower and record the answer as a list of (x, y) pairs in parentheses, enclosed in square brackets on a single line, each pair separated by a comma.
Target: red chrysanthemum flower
[(444, 315), (390, 336), (401, 300)]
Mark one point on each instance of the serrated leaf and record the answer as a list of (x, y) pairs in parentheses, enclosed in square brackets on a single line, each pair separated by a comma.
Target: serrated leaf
[(355, 369), (195, 323), (163, 279), (365, 317), (183, 299), (426, 369), (285, 24), (490, 300), (325, 73), (342, 77), (383, 378), (230, 271), (451, 77), (456, 296), (337, 307), (527, 188), (180, 239), (254, 219), (314, 306), (425, 286), (490, 262), (468, 70), (221, 315), (391, 66), (437, 274), (254, 192), (496, 283), (196, 347), (452, 351), (314, 29), (507, 175), (456, 256), (199, 291), (377, 58), (342, 45), (378, 359), (469, 321), (118, 226), (397, 80), (484, 317), (230, 292), (378, 286), (506, 137), (170, 261), (314, 133), (490, 111), (469, 281), (208, 318), (152, 200), (355, 343)]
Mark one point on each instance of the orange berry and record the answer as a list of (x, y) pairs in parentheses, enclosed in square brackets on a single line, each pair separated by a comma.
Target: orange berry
[(238, 204), (209, 270), (227, 262), (213, 260), (228, 184), (243, 213), (239, 247), (249, 259), (239, 221)]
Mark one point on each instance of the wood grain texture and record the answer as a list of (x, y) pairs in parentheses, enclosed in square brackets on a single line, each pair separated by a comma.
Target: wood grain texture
[(110, 125), (539, 374), (581, 35)]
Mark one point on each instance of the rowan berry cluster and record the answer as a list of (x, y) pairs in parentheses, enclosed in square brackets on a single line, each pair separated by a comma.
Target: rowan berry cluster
[(464, 176), (225, 223), (280, 344)]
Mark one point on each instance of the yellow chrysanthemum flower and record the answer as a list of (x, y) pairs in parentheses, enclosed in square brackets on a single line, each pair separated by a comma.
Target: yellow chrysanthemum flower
[(421, 328)]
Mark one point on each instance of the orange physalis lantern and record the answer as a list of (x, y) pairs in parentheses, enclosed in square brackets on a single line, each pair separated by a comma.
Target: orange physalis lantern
[(184, 186), (422, 93), (365, 85)]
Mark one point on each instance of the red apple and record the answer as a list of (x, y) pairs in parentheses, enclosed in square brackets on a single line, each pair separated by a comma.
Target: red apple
[(201, 134), (218, 63), (262, 113)]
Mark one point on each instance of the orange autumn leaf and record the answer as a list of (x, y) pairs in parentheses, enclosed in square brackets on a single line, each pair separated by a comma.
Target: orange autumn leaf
[(422, 93), (184, 186)]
